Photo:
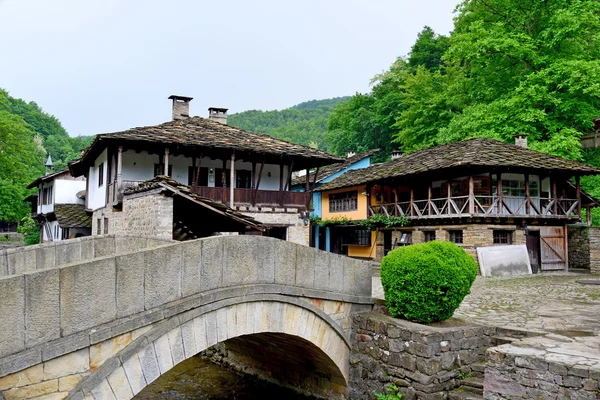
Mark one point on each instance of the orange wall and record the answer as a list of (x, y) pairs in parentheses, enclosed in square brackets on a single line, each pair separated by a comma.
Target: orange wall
[(364, 251), (360, 213)]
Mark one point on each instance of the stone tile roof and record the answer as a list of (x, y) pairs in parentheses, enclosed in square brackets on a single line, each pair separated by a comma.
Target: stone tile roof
[(176, 188), (205, 133), (332, 169), (72, 216), (479, 152)]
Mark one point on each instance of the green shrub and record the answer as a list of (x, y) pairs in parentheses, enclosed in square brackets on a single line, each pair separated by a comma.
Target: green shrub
[(30, 230), (426, 282)]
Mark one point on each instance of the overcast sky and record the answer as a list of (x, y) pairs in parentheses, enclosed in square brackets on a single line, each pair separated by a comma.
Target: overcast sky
[(108, 65)]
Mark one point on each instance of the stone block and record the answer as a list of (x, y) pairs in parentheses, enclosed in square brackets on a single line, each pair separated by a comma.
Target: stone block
[(100, 352), (176, 344), (192, 267), (119, 384), (212, 264), (162, 275), (87, 295), (265, 259), (350, 267), (65, 345), (12, 310), (104, 246), (77, 362), (32, 391), (25, 377), (129, 244), (135, 374), (162, 349), (45, 256), (285, 263), (103, 391), (322, 271), (189, 339), (68, 383), (42, 306), (336, 273), (149, 363), (68, 252), (20, 361), (3, 263), (130, 283), (240, 260), (21, 260), (364, 278), (305, 267)]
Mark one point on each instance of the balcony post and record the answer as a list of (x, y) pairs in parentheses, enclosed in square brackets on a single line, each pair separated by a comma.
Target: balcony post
[(119, 173), (412, 201), (429, 200), (197, 167), (555, 196), (165, 170), (499, 193), (578, 194), (280, 195), (449, 198), (395, 202), (527, 196), (471, 195), (258, 182), (307, 191), (232, 179), (253, 174)]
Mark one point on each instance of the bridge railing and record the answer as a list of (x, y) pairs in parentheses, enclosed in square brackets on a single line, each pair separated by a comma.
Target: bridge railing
[(48, 311), (20, 260)]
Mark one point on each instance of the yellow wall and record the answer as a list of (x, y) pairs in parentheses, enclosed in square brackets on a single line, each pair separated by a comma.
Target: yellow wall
[(364, 251), (360, 213)]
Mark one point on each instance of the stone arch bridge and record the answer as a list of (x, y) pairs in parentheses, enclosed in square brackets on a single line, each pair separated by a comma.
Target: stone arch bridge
[(103, 317)]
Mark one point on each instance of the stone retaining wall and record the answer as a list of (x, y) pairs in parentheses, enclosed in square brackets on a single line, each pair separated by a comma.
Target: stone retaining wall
[(579, 246), (26, 259), (594, 237), (423, 361), (550, 367)]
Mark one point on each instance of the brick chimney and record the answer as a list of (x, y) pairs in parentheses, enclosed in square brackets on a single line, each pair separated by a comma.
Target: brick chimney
[(521, 140), (218, 114), (181, 106)]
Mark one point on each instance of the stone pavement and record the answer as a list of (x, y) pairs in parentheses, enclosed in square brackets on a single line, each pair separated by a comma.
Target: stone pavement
[(548, 302)]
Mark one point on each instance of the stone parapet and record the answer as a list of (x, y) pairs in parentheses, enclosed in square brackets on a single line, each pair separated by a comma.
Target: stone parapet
[(594, 238), (550, 367), (579, 246), (423, 361)]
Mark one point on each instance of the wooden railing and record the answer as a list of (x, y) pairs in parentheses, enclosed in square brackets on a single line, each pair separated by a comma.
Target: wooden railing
[(480, 206), (254, 197)]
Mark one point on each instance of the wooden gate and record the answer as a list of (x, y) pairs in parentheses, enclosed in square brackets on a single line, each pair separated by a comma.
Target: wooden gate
[(553, 246)]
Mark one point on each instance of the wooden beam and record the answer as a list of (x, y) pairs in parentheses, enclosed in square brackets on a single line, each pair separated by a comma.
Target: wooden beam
[(258, 182), (449, 197), (555, 196), (395, 202), (199, 161), (280, 177), (527, 196), (289, 177), (578, 194), (165, 170), (429, 199), (253, 174), (499, 193), (119, 185), (471, 195), (412, 200), (307, 191), (232, 179)]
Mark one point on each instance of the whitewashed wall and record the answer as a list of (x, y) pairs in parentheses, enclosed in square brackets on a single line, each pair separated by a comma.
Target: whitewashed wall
[(97, 195), (66, 191)]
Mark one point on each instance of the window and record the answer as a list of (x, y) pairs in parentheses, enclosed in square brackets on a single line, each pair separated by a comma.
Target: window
[(456, 236), (243, 179), (106, 226), (429, 236), (405, 239), (101, 174), (503, 237), (219, 177), (515, 188), (358, 237), (159, 169), (346, 201), (98, 226)]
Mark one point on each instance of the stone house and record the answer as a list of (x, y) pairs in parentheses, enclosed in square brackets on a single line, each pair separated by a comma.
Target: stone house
[(59, 206), (476, 193), (248, 172)]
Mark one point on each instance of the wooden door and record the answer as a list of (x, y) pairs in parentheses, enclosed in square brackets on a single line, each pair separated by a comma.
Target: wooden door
[(533, 248), (553, 247)]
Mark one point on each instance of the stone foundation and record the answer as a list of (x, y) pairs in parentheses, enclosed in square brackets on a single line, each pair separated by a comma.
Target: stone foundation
[(297, 232), (423, 361), (594, 237), (579, 246), (550, 367)]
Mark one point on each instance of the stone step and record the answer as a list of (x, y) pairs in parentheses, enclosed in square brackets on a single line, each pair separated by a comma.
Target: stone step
[(500, 340), (459, 394), (473, 385)]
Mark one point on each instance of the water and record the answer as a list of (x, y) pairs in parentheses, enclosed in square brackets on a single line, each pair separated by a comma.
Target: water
[(200, 379)]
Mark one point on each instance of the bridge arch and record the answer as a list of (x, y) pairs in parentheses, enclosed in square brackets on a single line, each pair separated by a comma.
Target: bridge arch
[(240, 321)]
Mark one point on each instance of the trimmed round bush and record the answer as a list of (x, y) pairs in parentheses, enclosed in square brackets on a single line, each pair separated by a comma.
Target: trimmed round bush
[(426, 282)]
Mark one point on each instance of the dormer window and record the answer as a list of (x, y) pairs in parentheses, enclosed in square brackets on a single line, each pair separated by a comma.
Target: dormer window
[(100, 174)]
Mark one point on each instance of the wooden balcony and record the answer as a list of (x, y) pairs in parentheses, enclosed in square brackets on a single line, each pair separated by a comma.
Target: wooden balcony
[(242, 197), (481, 207)]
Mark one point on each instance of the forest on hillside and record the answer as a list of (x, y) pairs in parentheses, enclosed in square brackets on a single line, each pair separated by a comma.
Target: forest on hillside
[(304, 123), (27, 136)]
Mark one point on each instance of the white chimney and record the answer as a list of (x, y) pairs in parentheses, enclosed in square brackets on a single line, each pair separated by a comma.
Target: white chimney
[(351, 154), (396, 154), (521, 140), (218, 114), (181, 106)]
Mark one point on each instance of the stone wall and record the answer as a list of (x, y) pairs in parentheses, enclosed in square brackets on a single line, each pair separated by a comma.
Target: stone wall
[(474, 235), (297, 232), (579, 246), (550, 367), (423, 361), (149, 215), (594, 238)]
